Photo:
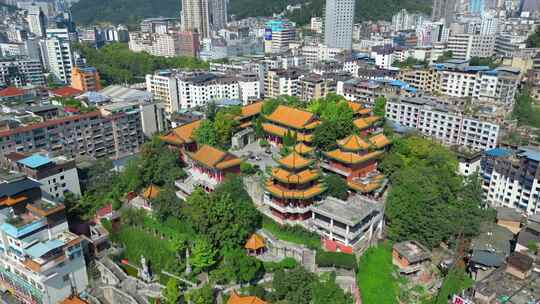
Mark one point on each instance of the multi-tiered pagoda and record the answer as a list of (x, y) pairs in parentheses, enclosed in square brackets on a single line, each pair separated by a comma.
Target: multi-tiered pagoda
[(292, 188), (356, 160)]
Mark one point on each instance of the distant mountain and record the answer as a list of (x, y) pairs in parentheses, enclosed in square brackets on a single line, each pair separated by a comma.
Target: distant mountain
[(132, 11)]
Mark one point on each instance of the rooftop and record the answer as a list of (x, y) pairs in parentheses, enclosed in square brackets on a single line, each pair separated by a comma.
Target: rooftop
[(350, 212), (214, 158), (413, 251), (34, 161), (66, 92), (292, 117), (42, 248)]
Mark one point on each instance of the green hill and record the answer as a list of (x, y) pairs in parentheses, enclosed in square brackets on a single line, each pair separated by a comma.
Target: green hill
[(132, 11)]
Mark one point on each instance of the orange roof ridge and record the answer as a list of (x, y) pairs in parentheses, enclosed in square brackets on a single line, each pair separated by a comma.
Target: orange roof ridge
[(353, 142), (151, 192), (365, 122), (295, 161), (302, 148), (379, 140), (238, 299), (255, 242), (252, 109), (292, 117), (214, 158)]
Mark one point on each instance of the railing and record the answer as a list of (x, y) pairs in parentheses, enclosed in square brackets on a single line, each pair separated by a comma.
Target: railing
[(21, 288)]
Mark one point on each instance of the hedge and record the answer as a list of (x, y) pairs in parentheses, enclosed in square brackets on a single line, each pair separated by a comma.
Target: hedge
[(335, 259)]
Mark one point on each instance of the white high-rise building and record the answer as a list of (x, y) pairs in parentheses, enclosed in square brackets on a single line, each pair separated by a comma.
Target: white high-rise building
[(204, 16), (58, 55), (338, 23), (36, 21)]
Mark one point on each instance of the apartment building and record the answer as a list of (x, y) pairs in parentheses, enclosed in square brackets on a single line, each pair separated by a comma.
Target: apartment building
[(164, 86), (57, 175), (21, 72), (58, 54), (315, 86), (91, 134), (511, 178), (85, 79), (150, 115), (278, 34), (40, 260), (282, 82), (199, 88), (425, 80), (443, 123), (466, 46), (157, 44), (184, 90), (338, 23), (458, 79)]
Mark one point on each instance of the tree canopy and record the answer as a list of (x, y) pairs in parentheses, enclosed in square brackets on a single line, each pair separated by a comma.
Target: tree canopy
[(117, 64), (428, 200)]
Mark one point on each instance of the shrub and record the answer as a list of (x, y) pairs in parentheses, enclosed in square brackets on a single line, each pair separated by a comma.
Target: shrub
[(248, 169), (335, 259), (286, 263)]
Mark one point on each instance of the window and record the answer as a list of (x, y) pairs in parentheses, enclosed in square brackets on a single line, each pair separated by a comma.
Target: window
[(65, 278)]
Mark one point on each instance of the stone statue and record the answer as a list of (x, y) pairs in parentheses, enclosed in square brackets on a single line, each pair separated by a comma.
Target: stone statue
[(144, 272)]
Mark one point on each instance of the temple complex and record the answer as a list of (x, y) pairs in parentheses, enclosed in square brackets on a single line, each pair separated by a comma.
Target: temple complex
[(292, 188)]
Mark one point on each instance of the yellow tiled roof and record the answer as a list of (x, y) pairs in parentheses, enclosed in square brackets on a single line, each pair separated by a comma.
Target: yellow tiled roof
[(379, 141), (182, 134), (237, 299), (151, 192), (295, 161), (214, 158), (353, 143), (281, 132), (295, 194), (303, 148), (371, 186), (366, 122), (292, 178), (350, 157), (251, 110), (255, 242), (292, 117)]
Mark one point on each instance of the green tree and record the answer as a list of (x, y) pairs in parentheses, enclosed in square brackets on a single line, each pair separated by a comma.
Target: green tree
[(166, 204), (524, 110), (427, 192), (533, 41), (224, 126), (213, 215), (293, 286), (379, 108), (206, 134), (337, 187), (241, 268), (202, 255), (329, 292), (337, 121), (446, 55), (203, 295), (172, 292)]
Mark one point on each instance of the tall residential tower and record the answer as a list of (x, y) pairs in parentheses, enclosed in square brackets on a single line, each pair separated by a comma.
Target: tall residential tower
[(204, 16), (338, 23)]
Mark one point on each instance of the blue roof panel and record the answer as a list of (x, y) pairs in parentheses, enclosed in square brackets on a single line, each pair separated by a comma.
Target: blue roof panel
[(41, 249), (497, 152), (34, 161)]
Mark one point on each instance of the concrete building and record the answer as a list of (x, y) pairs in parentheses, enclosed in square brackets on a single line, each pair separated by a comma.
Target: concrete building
[(37, 21), (316, 25), (314, 86), (511, 178), (204, 16), (458, 79), (466, 46), (338, 23), (164, 87), (91, 134), (278, 34), (150, 115), (444, 9), (188, 44), (443, 123), (157, 44), (197, 89), (21, 72), (282, 82), (40, 260), (347, 226), (85, 79), (57, 175), (58, 54)]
